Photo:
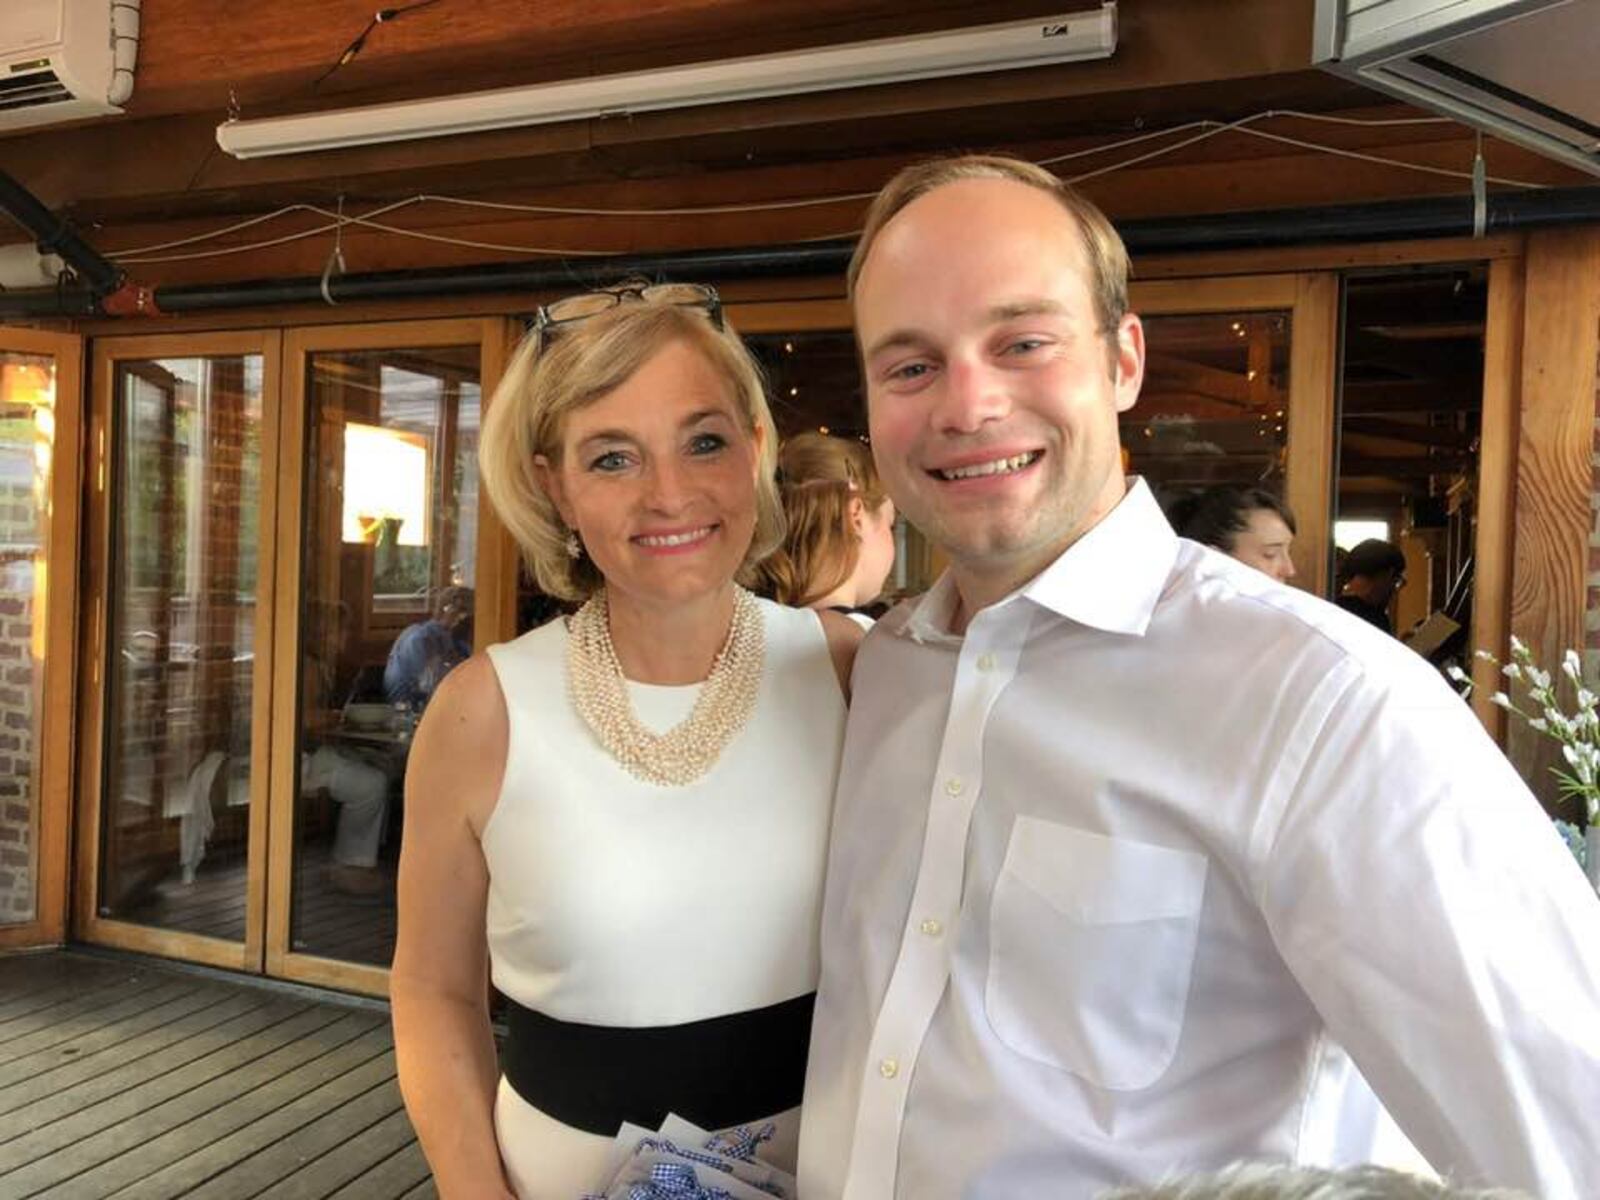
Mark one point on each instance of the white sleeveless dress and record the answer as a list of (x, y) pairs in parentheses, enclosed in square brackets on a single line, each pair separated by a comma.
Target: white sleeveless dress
[(618, 903)]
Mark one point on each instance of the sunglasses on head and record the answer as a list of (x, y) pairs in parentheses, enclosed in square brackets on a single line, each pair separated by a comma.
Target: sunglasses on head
[(550, 319)]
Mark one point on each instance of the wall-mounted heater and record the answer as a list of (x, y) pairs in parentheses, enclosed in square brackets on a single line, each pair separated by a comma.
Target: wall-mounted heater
[(1038, 43)]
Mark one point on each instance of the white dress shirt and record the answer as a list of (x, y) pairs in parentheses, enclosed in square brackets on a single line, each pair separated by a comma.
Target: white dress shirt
[(1109, 872)]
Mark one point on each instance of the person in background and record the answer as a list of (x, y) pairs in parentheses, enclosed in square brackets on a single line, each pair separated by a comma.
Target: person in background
[(1373, 572), (1127, 835), (1248, 523), (1275, 1181), (426, 652), (352, 775), (839, 548), (622, 815)]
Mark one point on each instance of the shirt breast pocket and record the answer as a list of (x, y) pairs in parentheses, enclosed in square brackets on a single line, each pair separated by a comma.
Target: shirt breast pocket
[(1091, 944)]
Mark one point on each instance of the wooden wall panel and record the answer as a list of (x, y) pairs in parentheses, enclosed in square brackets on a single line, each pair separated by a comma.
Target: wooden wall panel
[(1312, 394), (1555, 473), (1497, 484)]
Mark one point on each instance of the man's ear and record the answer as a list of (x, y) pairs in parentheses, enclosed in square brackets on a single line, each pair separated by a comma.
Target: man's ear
[(549, 481), (1129, 376)]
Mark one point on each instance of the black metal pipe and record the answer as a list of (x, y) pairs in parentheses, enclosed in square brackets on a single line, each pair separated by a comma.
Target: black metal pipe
[(1387, 220), (1438, 216), (55, 236), (815, 258), (63, 301)]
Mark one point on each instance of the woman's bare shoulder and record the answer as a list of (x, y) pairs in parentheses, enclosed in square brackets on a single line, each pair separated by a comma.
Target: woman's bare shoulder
[(460, 745)]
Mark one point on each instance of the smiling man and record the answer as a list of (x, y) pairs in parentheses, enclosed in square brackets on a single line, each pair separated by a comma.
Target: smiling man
[(1128, 834)]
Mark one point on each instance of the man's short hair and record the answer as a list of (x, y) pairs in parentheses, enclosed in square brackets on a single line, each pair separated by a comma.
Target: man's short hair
[(1103, 249), (1276, 1181), (1373, 557)]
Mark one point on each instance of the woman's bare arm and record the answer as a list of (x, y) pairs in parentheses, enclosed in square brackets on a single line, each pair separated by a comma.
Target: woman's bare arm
[(439, 984)]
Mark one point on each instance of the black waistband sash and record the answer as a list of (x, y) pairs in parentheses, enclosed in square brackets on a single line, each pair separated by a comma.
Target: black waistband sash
[(719, 1072)]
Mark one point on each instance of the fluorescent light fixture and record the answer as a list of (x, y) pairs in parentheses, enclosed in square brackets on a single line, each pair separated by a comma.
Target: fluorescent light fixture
[(970, 51)]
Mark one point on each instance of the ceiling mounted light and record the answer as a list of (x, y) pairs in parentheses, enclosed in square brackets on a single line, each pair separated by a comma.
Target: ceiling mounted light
[(1037, 43)]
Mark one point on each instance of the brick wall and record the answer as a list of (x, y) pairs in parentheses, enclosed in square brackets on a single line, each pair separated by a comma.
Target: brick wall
[(19, 531)]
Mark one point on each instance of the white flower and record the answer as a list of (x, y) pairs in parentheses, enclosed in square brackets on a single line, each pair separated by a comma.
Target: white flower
[(1511, 671), (1518, 646), (1586, 700), (1500, 698), (1538, 678), (1456, 673), (1539, 724), (1572, 666), (1582, 763), (1485, 655)]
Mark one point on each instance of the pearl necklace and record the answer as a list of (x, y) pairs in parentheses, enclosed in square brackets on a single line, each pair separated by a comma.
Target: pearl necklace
[(689, 749)]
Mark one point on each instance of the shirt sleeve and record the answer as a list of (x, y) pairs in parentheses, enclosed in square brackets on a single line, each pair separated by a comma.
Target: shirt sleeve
[(1447, 937)]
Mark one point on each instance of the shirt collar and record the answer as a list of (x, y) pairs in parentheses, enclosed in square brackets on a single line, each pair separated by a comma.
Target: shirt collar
[(1110, 579)]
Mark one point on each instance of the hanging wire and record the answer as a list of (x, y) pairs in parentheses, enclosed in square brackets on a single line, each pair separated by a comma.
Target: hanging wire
[(381, 17), (1207, 129)]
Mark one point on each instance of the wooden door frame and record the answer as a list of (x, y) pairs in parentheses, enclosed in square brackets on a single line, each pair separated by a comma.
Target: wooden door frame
[(494, 605), (51, 773), (89, 924)]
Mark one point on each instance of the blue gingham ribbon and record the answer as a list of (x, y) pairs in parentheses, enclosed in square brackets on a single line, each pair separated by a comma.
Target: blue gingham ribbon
[(741, 1143), (674, 1181)]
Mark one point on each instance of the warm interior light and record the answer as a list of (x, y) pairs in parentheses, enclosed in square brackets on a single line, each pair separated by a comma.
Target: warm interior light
[(385, 479)]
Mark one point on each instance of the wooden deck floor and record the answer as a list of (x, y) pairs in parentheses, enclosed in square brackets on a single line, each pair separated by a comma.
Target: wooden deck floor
[(123, 1079)]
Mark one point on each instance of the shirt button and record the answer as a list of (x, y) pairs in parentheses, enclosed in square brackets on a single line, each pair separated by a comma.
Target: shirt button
[(888, 1068), (932, 927), (953, 786), (986, 662)]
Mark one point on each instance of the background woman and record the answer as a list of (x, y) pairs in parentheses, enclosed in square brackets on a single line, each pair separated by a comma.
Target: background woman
[(622, 814), (840, 543), (1249, 523)]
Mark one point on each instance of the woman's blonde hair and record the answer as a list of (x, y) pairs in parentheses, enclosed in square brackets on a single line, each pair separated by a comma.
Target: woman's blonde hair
[(818, 477), (550, 378)]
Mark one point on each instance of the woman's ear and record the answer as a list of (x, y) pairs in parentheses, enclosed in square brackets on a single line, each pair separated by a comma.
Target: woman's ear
[(549, 480), (758, 435), (858, 516)]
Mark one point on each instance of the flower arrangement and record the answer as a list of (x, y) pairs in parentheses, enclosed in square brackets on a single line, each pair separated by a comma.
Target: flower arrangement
[(1575, 729)]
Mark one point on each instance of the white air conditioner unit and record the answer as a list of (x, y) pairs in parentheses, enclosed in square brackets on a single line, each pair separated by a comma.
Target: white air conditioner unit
[(1041, 42), (1527, 71), (56, 61)]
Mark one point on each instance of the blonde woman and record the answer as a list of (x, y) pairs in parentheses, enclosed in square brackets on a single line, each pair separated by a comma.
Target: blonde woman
[(622, 815), (840, 544)]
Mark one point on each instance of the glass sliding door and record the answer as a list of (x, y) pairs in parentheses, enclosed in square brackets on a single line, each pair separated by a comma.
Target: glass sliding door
[(383, 602), (38, 513), (182, 734)]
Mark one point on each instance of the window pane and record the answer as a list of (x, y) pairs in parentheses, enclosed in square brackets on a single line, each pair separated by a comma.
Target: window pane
[(186, 520), (1214, 407), (27, 434), (389, 538)]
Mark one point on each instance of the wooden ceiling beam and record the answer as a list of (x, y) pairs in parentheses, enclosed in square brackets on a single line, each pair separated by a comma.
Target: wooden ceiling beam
[(1404, 466), (1363, 399), (1405, 431)]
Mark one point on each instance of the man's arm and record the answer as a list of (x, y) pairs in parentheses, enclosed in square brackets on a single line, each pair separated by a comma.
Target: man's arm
[(1416, 890)]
